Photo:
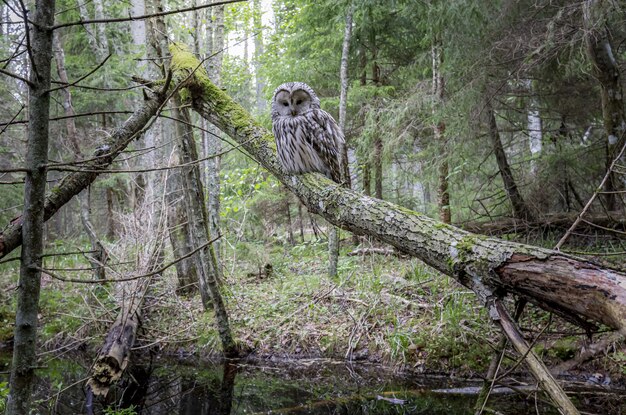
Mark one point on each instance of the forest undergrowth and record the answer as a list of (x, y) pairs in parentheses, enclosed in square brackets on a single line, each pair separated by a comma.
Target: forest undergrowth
[(385, 309)]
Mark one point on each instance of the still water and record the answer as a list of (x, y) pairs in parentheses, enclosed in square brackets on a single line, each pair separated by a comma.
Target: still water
[(166, 386)]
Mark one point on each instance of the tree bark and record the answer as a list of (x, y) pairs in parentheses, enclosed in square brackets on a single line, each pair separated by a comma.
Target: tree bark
[(488, 266), (520, 209), (29, 286)]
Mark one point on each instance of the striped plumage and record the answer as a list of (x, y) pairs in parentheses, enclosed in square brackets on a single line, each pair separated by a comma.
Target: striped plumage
[(307, 138)]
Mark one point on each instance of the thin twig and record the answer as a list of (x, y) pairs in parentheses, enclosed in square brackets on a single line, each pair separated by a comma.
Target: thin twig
[(144, 16), (100, 65), (136, 277), (591, 199)]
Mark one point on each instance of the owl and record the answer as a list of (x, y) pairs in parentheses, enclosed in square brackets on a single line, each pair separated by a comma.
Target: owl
[(307, 138)]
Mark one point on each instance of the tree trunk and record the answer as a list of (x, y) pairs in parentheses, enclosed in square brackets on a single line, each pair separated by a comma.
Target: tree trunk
[(194, 208), (214, 143), (92, 38), (138, 27), (378, 166), (301, 221), (179, 232), (443, 195), (439, 128), (261, 103), (343, 71), (606, 68), (209, 272), (557, 282), (367, 178), (29, 285), (520, 209), (286, 195), (103, 41), (535, 130), (99, 256), (334, 233), (114, 354)]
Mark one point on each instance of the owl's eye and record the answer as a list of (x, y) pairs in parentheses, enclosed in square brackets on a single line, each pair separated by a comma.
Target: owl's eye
[(298, 102), (285, 104)]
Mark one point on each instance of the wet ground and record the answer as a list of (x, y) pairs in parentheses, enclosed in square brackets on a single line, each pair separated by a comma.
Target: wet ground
[(168, 386)]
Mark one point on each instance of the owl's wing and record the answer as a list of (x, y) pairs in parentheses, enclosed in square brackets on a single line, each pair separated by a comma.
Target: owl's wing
[(328, 141)]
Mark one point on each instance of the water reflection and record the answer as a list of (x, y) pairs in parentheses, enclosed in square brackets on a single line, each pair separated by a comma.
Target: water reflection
[(311, 387)]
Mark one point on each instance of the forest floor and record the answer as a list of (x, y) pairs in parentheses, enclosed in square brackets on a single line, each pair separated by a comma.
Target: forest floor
[(386, 309)]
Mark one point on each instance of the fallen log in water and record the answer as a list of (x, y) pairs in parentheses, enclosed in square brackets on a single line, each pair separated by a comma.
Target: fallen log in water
[(114, 354)]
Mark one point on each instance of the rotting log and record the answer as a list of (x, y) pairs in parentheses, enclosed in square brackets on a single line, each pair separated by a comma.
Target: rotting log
[(552, 222), (490, 267), (114, 354), (85, 173)]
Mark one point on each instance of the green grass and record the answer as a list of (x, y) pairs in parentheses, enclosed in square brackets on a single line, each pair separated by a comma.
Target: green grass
[(385, 309)]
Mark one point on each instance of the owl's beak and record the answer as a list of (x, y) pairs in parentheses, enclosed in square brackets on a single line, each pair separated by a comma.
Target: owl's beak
[(293, 113)]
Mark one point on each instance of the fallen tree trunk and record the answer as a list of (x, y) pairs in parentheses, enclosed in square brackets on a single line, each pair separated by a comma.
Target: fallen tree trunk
[(114, 354), (490, 267), (85, 173), (551, 222)]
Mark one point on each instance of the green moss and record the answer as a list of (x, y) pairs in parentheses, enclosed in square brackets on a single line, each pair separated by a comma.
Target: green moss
[(465, 247), (184, 60), (564, 349)]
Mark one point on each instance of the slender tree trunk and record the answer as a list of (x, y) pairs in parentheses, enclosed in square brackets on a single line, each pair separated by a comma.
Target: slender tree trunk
[(290, 237), (443, 195), (606, 68), (209, 272), (261, 103), (367, 178), (29, 286), (111, 228), (206, 262), (301, 221), (520, 209), (214, 143), (103, 40), (99, 256), (343, 97), (138, 33), (439, 128), (378, 166), (197, 29), (535, 129), (178, 224), (92, 38), (334, 233)]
